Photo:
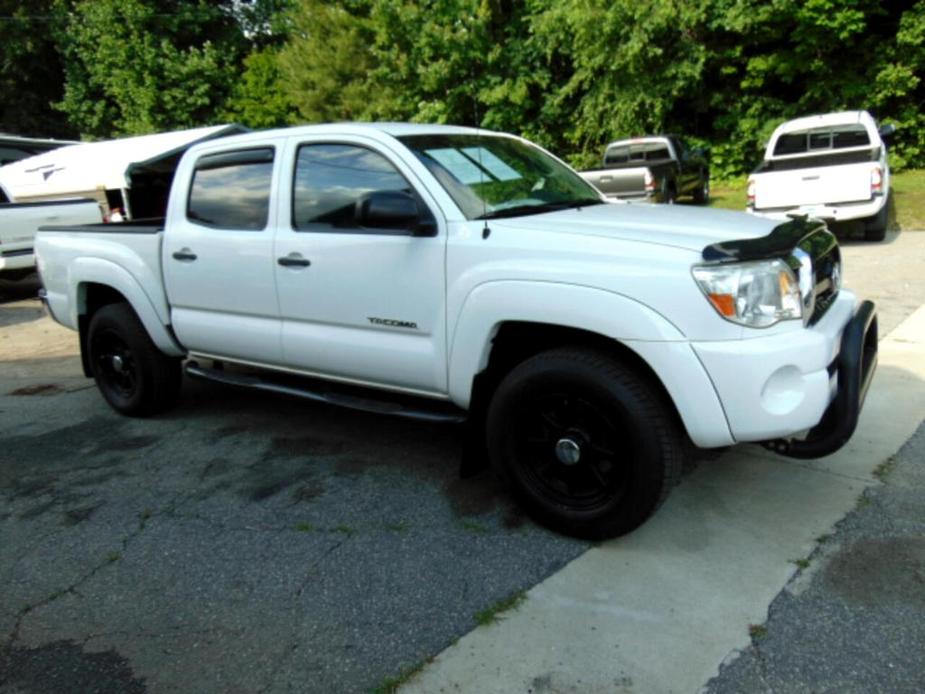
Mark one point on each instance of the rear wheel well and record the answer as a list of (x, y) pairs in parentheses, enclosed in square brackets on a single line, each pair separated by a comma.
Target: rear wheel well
[(91, 297), (516, 342)]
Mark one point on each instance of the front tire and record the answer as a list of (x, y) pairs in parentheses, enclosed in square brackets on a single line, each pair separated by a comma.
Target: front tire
[(133, 375), (588, 446)]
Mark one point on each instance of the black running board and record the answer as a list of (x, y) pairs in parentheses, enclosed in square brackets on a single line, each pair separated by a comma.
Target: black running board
[(411, 408)]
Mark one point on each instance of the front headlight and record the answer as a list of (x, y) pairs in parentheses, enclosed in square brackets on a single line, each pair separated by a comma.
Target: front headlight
[(757, 294)]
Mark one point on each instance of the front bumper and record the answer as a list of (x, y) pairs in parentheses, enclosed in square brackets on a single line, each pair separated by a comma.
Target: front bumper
[(855, 366), (787, 382)]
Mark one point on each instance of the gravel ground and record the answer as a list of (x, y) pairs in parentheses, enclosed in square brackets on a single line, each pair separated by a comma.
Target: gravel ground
[(854, 619)]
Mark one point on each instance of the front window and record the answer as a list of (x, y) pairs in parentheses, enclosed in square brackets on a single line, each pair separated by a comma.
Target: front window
[(490, 176)]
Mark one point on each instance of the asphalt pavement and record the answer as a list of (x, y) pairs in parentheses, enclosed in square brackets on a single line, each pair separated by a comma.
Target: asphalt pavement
[(240, 543), (246, 543), (853, 619)]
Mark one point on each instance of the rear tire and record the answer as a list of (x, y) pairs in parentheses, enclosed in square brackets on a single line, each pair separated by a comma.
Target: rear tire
[(875, 229), (133, 375), (670, 196), (587, 446), (702, 194)]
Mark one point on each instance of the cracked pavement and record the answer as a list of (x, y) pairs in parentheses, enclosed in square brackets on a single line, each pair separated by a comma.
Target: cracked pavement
[(240, 543)]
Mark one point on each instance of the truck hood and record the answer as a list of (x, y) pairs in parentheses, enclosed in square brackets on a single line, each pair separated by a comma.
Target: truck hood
[(681, 226)]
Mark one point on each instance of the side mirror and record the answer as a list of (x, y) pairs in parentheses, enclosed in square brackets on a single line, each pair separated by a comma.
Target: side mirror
[(389, 209), (886, 131)]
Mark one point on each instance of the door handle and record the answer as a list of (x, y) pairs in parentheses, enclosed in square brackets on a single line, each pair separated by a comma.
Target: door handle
[(606, 179), (294, 260), (185, 255)]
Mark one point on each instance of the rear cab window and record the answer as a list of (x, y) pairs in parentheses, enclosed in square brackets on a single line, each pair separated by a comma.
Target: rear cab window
[(822, 140), (231, 190), (637, 152)]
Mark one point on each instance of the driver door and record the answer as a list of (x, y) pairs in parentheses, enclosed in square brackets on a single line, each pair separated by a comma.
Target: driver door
[(358, 304)]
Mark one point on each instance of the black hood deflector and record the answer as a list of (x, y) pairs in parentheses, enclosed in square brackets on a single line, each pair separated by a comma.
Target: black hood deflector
[(779, 243)]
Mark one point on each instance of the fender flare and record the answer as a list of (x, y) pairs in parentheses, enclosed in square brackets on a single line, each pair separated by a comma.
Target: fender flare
[(650, 335), (491, 304), (85, 271)]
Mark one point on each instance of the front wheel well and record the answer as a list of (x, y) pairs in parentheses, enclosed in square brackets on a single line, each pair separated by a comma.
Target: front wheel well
[(91, 297), (515, 342)]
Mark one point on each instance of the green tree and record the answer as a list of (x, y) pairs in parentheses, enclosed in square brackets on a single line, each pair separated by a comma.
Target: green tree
[(261, 98), (140, 66), (31, 73), (325, 63)]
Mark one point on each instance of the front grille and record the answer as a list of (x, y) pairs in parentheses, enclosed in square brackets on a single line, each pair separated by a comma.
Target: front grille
[(822, 248)]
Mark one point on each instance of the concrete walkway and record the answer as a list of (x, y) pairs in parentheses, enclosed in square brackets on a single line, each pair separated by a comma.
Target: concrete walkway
[(660, 610)]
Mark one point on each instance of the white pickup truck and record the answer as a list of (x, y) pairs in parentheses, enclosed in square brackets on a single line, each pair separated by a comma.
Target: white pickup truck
[(450, 274), (20, 221), (832, 167)]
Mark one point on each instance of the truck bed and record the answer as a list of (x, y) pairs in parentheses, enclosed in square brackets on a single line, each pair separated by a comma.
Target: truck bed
[(132, 249)]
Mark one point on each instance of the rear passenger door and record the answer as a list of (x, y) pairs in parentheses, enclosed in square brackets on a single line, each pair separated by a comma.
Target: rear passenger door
[(359, 304), (218, 256)]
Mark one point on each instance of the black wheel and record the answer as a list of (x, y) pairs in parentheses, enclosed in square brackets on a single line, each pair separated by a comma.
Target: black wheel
[(587, 445), (875, 229), (133, 375), (702, 194)]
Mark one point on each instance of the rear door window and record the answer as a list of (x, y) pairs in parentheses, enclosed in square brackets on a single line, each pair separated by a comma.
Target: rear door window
[(231, 190)]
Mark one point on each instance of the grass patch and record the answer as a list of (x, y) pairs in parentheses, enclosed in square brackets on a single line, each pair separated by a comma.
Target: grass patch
[(304, 527), (757, 631), (493, 613), (800, 563), (908, 197), (474, 527), (345, 530), (390, 685), (113, 557), (884, 469), (822, 539)]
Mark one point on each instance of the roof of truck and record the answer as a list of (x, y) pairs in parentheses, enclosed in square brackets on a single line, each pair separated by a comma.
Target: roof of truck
[(823, 120)]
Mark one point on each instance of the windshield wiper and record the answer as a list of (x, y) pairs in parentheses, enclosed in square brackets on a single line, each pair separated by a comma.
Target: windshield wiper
[(521, 210)]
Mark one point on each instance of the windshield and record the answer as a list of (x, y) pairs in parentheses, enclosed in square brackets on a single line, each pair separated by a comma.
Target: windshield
[(490, 176)]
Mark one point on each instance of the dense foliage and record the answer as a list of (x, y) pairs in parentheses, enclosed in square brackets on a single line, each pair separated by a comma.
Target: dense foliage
[(571, 74)]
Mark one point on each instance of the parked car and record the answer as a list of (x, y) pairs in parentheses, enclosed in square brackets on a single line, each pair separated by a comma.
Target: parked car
[(832, 167), (20, 221), (656, 169), (451, 274)]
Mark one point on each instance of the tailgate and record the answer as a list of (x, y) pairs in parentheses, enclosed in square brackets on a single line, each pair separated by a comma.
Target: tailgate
[(618, 182), (827, 185)]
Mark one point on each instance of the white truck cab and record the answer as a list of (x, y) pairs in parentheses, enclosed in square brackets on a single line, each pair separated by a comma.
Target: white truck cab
[(831, 167), (451, 274)]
